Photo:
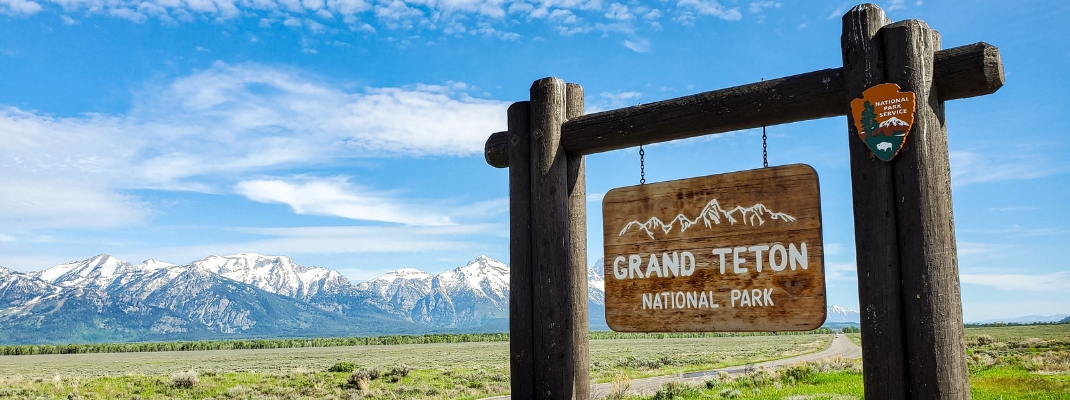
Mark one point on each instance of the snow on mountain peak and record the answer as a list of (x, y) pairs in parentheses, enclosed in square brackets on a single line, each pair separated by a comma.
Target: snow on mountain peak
[(100, 270), (893, 121), (276, 274), (835, 313)]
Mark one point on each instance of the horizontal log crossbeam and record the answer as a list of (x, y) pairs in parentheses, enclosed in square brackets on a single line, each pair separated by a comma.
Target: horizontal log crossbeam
[(960, 72)]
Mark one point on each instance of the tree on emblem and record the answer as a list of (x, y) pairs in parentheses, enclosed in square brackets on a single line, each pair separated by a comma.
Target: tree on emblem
[(869, 119)]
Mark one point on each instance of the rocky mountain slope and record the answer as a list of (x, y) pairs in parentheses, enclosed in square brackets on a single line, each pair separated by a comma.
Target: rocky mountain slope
[(250, 295)]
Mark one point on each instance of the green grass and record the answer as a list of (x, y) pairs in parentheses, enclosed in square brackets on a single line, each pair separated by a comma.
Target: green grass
[(427, 384), (1017, 362), (1001, 383), (1005, 363), (641, 358), (1012, 382)]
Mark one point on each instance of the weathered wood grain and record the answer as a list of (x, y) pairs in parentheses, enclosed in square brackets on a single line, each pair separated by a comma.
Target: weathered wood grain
[(551, 253), (873, 193), (496, 151), (521, 328), (577, 227), (777, 206), (935, 344), (961, 72)]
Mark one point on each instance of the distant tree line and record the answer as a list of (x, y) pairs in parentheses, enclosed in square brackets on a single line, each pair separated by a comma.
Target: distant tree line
[(1002, 324), (250, 344)]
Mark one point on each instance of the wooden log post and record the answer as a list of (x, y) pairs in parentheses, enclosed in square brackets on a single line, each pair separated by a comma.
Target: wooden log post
[(577, 209), (551, 253), (932, 306), (521, 329), (961, 72), (876, 247)]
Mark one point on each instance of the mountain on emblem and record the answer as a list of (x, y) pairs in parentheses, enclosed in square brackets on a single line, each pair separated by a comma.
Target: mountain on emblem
[(893, 121), (883, 118)]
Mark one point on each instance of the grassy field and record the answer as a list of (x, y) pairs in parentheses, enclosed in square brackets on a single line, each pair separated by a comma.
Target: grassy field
[(1005, 363), (1020, 362), (447, 371)]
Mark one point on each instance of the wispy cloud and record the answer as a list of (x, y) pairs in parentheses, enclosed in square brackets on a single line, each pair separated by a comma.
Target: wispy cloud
[(19, 7), (210, 130), (638, 45), (711, 7), (838, 12), (1017, 208), (970, 167), (1057, 281), (841, 271), (337, 197), (342, 240), (758, 6), (488, 18), (611, 100)]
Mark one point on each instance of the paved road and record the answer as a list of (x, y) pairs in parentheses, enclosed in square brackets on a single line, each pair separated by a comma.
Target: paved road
[(839, 346)]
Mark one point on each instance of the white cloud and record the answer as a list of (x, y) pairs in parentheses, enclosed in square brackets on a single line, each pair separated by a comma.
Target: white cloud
[(1057, 281), (897, 5), (841, 271), (619, 12), (758, 6), (337, 197), (206, 131), (611, 100), (711, 7), (451, 17), (638, 46), (17, 7), (342, 240), (838, 12), (969, 167)]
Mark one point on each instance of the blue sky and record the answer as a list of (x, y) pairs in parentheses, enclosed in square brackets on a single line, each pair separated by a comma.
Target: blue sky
[(349, 133)]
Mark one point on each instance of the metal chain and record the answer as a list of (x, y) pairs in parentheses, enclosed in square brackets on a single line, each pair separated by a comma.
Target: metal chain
[(765, 146), (642, 167), (765, 150)]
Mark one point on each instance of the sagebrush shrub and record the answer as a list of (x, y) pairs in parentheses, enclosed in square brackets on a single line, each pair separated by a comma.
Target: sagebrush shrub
[(400, 371), (343, 366), (362, 378), (184, 379)]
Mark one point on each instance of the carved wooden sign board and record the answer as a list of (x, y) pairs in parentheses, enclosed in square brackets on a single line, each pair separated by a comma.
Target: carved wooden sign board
[(734, 252)]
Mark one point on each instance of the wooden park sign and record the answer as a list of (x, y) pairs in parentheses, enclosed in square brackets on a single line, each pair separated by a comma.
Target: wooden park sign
[(722, 253), (904, 228)]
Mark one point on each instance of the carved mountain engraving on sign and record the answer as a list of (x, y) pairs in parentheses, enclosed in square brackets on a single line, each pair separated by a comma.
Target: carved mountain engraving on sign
[(756, 266), (711, 214)]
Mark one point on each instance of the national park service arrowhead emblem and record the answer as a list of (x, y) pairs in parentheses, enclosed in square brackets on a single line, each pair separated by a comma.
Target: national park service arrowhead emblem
[(883, 117)]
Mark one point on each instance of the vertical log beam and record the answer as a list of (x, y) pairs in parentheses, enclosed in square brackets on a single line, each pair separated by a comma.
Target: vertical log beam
[(873, 191), (521, 330), (936, 349), (551, 253), (577, 209)]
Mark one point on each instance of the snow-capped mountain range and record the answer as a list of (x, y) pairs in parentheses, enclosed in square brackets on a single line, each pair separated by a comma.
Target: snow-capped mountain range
[(251, 295), (246, 295)]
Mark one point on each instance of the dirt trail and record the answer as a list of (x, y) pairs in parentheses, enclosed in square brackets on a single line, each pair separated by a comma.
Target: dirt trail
[(839, 346)]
